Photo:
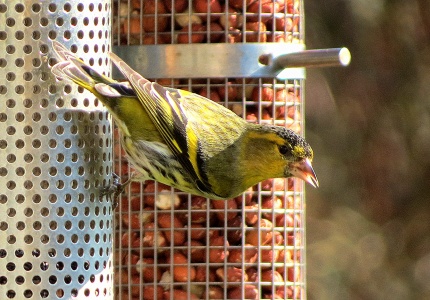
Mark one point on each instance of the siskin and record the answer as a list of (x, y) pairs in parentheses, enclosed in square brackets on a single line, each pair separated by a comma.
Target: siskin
[(185, 140)]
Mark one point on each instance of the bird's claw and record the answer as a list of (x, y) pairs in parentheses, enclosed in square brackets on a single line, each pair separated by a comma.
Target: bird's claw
[(114, 190)]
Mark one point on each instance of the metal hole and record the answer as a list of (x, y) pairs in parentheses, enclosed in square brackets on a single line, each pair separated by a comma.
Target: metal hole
[(36, 279), (20, 225), (59, 102), (20, 171), (11, 212), (53, 171), (44, 103), (44, 130), (10, 22), (10, 266), (19, 35), (73, 21), (44, 266), (27, 76), (28, 212), (36, 8), (60, 157), (44, 22), (36, 143), (52, 89), (10, 49), (10, 103), (19, 144), (28, 239), (36, 62), (67, 7), (11, 158), (60, 184), (37, 225), (19, 117), (44, 157), (28, 157), (10, 76), (19, 198), (36, 117), (36, 35), (52, 144), (52, 7), (67, 35), (53, 225), (44, 184), (36, 171), (52, 34), (28, 130), (10, 130), (59, 21), (60, 293), (19, 89), (44, 239), (44, 48), (3, 89), (28, 184), (59, 130), (36, 198), (67, 89), (44, 212), (3, 226), (27, 103), (44, 293), (27, 22), (52, 198), (36, 89)]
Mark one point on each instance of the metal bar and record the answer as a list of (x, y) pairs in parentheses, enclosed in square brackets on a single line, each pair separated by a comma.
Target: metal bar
[(254, 60), (208, 60), (313, 58)]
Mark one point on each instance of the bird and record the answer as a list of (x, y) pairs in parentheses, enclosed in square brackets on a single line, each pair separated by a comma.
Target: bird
[(185, 140)]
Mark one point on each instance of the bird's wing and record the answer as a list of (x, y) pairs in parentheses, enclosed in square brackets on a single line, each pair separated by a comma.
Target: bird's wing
[(166, 112)]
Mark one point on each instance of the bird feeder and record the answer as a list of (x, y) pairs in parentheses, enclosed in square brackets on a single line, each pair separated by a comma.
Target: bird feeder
[(249, 56)]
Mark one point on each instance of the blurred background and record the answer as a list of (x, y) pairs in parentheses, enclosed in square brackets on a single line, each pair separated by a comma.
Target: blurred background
[(368, 225)]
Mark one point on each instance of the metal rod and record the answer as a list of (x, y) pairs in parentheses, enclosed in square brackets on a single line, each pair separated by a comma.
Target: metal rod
[(313, 58)]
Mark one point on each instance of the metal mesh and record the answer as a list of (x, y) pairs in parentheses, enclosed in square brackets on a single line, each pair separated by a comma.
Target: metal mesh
[(172, 245), (55, 143)]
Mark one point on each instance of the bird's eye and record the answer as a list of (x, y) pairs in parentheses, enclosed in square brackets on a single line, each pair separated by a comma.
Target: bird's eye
[(283, 149)]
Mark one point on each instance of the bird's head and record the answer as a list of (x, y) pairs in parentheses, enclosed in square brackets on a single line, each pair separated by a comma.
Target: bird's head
[(287, 154), (299, 155)]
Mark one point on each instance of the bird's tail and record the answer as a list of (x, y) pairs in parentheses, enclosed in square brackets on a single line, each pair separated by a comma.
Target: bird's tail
[(71, 68)]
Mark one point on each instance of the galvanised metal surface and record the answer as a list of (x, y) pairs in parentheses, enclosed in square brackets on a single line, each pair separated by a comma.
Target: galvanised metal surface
[(55, 154)]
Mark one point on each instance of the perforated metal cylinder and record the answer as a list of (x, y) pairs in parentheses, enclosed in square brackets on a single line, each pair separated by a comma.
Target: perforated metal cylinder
[(55, 154)]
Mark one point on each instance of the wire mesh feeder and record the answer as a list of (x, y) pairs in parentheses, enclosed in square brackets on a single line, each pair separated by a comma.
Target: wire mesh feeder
[(172, 245), (55, 152)]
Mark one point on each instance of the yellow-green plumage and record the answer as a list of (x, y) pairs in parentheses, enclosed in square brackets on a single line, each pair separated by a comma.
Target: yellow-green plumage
[(187, 141)]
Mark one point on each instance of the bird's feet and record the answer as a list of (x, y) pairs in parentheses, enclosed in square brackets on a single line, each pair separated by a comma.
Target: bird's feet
[(115, 189)]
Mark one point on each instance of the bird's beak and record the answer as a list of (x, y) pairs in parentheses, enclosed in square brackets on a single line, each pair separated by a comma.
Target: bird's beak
[(303, 170)]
